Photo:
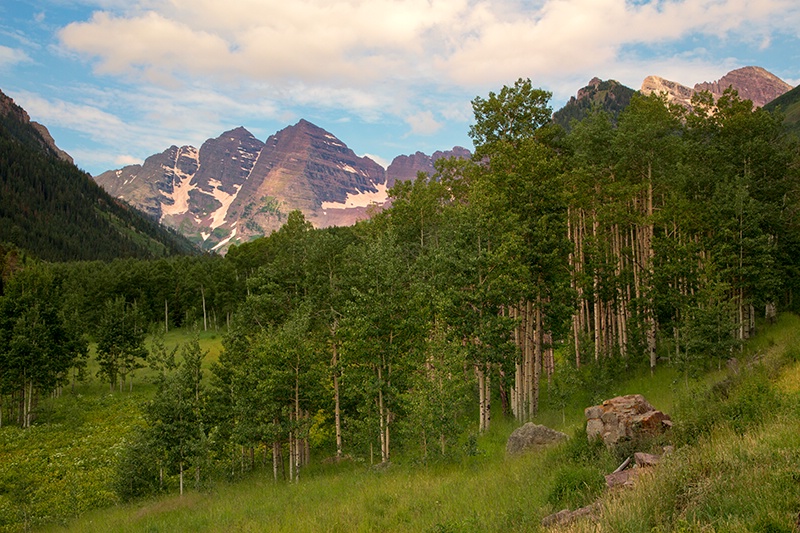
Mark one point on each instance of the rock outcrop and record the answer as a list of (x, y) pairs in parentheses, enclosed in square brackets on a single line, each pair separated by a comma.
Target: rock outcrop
[(610, 96), (532, 436), (752, 83), (677, 93), (625, 417), (406, 167), (566, 517)]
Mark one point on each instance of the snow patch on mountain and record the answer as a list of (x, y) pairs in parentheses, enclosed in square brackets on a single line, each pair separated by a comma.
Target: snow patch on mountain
[(360, 199), (218, 217), (181, 185), (223, 242)]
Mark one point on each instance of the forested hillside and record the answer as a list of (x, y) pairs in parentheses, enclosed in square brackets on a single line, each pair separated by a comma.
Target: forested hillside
[(609, 96), (789, 105), (529, 274), (57, 213)]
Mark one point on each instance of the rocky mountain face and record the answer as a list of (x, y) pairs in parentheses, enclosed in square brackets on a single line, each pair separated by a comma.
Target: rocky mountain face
[(752, 83), (677, 93), (235, 187), (406, 167), (609, 95)]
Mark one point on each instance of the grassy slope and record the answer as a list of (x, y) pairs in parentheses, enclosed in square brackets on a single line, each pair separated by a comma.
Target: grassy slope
[(62, 466), (744, 473), (731, 477)]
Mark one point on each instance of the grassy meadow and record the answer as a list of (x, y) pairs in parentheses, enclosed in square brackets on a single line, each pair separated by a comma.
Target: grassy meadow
[(736, 466)]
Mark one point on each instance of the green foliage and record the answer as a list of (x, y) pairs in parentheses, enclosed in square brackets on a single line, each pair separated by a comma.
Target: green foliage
[(740, 402), (575, 486), (63, 466), (669, 230), (609, 96), (120, 341), (38, 346), (510, 116)]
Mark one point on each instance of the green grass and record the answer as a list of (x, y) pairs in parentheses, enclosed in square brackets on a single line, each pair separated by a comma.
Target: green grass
[(63, 465), (737, 472)]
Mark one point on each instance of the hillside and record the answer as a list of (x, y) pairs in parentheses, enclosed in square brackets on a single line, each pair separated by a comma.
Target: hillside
[(610, 96), (733, 469), (55, 211), (789, 105)]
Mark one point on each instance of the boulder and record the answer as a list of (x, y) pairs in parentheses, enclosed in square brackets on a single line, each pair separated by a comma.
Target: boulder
[(532, 436), (625, 417), (646, 459), (624, 478), (565, 517)]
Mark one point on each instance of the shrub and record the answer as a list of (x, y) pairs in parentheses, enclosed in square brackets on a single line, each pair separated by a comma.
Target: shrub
[(575, 486)]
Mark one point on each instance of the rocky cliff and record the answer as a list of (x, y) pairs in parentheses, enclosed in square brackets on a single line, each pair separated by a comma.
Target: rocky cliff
[(235, 187), (752, 83)]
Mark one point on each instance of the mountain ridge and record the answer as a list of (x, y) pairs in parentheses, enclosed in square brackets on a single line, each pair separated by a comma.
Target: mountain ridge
[(236, 187), (56, 212), (752, 83)]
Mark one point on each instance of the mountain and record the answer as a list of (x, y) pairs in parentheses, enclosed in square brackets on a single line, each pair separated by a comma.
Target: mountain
[(235, 187), (677, 93), (53, 210), (406, 167), (789, 105), (609, 95), (752, 83)]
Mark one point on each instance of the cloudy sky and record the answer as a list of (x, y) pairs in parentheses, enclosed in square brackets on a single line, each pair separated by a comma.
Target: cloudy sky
[(118, 80)]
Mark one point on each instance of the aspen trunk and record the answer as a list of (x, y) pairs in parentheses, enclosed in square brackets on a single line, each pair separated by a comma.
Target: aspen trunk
[(383, 422), (337, 411), (205, 316), (481, 398), (537, 363), (276, 458)]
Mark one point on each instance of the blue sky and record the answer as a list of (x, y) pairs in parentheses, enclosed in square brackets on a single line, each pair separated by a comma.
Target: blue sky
[(118, 80)]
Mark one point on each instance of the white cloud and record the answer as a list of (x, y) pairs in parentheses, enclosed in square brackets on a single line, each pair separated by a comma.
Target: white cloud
[(382, 161), (91, 120), (189, 69), (423, 123), (11, 56), (125, 160), (354, 50)]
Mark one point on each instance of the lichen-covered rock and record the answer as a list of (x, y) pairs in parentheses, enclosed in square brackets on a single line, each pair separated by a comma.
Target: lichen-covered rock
[(532, 436), (623, 417)]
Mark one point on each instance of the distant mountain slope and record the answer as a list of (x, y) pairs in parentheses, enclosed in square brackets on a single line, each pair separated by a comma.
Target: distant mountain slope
[(752, 83), (56, 212), (235, 188), (609, 95), (789, 105)]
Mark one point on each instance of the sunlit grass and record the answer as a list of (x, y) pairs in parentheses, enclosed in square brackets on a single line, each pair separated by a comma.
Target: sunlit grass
[(743, 477)]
